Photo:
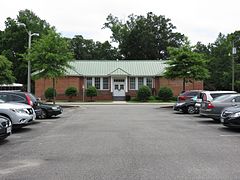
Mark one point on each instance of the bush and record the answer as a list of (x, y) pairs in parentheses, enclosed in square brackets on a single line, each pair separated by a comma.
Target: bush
[(128, 97), (70, 92), (91, 92), (143, 93), (165, 94), (151, 98), (49, 93)]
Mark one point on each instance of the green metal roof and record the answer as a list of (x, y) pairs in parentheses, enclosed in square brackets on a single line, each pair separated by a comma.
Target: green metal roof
[(117, 67)]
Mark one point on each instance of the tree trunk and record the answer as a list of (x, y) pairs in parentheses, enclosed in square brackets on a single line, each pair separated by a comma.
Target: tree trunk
[(54, 94), (184, 83)]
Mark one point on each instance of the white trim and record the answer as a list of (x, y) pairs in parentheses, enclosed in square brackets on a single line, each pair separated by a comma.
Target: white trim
[(144, 81), (111, 84), (101, 83), (93, 81), (136, 83), (126, 84)]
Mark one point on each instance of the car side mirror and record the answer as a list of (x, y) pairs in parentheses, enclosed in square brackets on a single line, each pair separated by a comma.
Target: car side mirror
[(234, 100)]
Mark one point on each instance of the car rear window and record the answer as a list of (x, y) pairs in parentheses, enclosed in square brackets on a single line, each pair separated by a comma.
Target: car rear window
[(32, 97), (215, 95)]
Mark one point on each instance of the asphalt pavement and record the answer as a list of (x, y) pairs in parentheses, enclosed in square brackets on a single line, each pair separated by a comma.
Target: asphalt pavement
[(108, 142)]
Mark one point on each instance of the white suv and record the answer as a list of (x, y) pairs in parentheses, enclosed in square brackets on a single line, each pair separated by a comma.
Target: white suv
[(19, 114)]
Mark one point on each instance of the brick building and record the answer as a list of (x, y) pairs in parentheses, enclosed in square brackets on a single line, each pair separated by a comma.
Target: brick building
[(114, 79)]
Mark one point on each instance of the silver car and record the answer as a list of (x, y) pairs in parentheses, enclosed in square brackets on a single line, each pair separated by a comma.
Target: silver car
[(213, 109), (19, 114)]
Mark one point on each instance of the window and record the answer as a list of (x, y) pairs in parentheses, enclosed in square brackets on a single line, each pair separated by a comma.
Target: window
[(149, 82), (17, 98), (97, 82), (140, 82), (4, 97), (132, 83), (89, 82), (105, 83)]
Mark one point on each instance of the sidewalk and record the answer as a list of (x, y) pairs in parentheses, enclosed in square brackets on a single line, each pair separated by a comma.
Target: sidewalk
[(162, 104)]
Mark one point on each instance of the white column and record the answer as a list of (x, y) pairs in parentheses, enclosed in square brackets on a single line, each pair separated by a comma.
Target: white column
[(111, 84), (144, 81), (101, 83), (93, 81), (126, 84), (136, 83)]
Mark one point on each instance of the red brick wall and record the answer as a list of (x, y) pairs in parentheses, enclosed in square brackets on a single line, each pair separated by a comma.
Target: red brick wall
[(63, 83), (176, 85)]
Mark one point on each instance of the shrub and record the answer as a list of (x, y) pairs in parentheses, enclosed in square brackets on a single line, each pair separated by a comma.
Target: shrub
[(143, 93), (91, 92), (49, 93), (165, 94), (151, 98), (128, 97), (70, 92)]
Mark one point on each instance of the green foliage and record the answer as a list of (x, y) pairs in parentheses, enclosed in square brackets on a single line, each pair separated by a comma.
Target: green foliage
[(49, 93), (165, 94), (14, 40), (143, 37), (186, 64), (91, 91), (6, 75), (151, 98), (71, 91), (87, 49), (143, 93), (50, 56)]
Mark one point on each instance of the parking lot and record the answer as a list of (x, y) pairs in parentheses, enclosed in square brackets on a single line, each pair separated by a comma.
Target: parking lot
[(122, 142)]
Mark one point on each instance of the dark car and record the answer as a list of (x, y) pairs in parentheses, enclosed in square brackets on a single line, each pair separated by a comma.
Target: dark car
[(49, 110), (187, 106), (231, 116), (42, 110), (186, 102), (5, 127), (215, 107)]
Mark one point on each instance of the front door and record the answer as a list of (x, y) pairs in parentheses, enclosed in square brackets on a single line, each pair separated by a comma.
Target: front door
[(119, 88)]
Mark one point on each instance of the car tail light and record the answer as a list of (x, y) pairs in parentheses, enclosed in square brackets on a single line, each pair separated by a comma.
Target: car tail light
[(210, 105), (29, 100), (182, 98)]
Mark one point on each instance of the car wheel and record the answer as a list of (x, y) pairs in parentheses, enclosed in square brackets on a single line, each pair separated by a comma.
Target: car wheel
[(190, 109), (44, 114)]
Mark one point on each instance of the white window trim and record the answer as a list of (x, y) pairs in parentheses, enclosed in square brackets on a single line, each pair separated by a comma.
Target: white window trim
[(101, 85)]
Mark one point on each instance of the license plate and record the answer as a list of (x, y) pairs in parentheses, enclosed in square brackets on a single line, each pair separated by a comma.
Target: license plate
[(9, 130)]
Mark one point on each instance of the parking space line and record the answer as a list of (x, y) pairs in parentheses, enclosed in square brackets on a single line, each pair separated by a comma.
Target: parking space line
[(230, 135)]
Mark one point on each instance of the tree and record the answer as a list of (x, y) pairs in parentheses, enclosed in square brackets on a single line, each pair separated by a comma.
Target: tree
[(14, 40), (186, 64), (91, 92), (144, 93), (87, 49), (50, 56), (6, 75), (70, 92), (144, 37)]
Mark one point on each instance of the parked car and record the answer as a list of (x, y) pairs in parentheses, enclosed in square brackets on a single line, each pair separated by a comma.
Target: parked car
[(230, 116), (21, 97), (207, 98), (42, 110), (187, 106), (5, 127), (19, 114), (188, 95), (49, 110), (215, 107), (186, 102)]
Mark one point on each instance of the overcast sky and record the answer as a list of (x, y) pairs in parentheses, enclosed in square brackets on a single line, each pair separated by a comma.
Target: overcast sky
[(199, 20)]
